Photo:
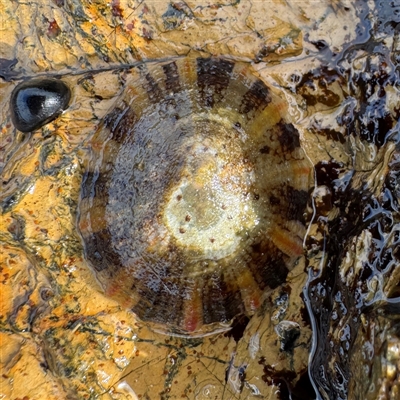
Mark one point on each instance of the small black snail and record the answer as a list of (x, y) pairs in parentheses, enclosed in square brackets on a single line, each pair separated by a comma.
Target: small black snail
[(36, 102)]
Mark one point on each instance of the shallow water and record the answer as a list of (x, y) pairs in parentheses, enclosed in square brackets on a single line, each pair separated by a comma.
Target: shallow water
[(356, 280), (339, 70)]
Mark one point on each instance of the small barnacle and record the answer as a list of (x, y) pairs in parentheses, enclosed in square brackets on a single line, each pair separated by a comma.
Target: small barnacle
[(36, 102)]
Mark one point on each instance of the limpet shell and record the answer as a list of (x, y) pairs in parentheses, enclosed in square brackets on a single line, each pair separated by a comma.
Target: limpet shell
[(193, 199)]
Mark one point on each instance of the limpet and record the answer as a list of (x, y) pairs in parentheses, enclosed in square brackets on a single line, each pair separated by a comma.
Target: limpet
[(193, 199), (37, 102)]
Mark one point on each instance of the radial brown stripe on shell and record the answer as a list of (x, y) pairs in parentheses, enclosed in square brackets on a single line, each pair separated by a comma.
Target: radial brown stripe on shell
[(193, 198)]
